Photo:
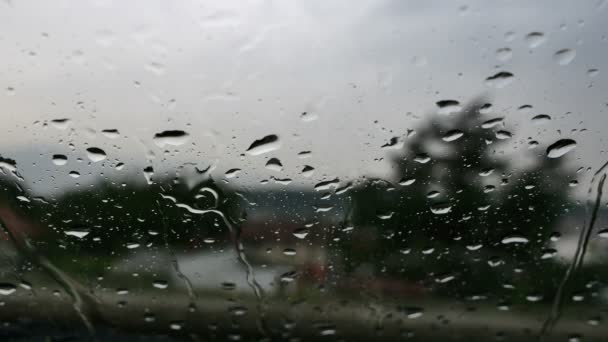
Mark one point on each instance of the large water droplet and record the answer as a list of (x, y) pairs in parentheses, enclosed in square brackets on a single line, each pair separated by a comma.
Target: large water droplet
[(448, 107), (500, 79), (560, 147), (441, 208), (77, 233), (266, 144), (274, 164), (61, 123), (96, 154), (564, 56), (172, 138), (452, 135), (504, 54), (541, 119), (110, 133), (7, 289), (60, 159), (514, 240), (535, 39)]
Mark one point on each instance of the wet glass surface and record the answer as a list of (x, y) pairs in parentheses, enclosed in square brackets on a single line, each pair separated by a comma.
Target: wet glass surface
[(313, 170)]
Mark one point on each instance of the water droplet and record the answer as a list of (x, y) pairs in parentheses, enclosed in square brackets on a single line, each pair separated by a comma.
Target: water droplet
[(266, 144), (61, 123), (441, 208), (541, 119), (132, 245), (486, 172), (491, 123), (422, 158), (176, 325), (160, 284), (274, 164), (77, 233), (603, 233), (502, 135), (534, 297), (514, 240), (447, 107), (149, 317), (289, 251), (96, 154), (592, 72), (172, 138), (228, 286), (504, 54), (564, 56), (445, 279), (560, 147), (148, 173), (7, 289), (74, 174), (300, 233), (110, 133), (535, 39), (452, 135), (407, 181), (237, 310), (232, 173), (308, 171), (60, 159), (500, 79)]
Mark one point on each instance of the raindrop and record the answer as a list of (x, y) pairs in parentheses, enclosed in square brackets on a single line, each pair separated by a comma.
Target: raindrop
[(61, 123), (232, 173), (432, 194), (74, 174), (77, 233), (534, 297), (160, 284), (7, 289), (422, 158), (228, 286), (514, 240), (502, 135), (172, 138), (407, 181), (110, 133), (535, 39), (300, 233), (148, 173), (176, 325), (500, 80), (441, 208), (603, 233), (452, 135), (560, 147), (491, 123), (564, 56), (448, 107), (96, 154), (504, 54), (289, 251), (592, 72), (274, 164), (60, 159), (266, 144), (132, 245), (541, 119), (307, 171)]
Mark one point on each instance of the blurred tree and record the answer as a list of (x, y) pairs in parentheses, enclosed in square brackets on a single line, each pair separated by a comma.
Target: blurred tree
[(459, 216)]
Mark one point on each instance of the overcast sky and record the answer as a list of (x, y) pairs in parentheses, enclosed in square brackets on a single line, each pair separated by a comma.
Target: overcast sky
[(230, 72)]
